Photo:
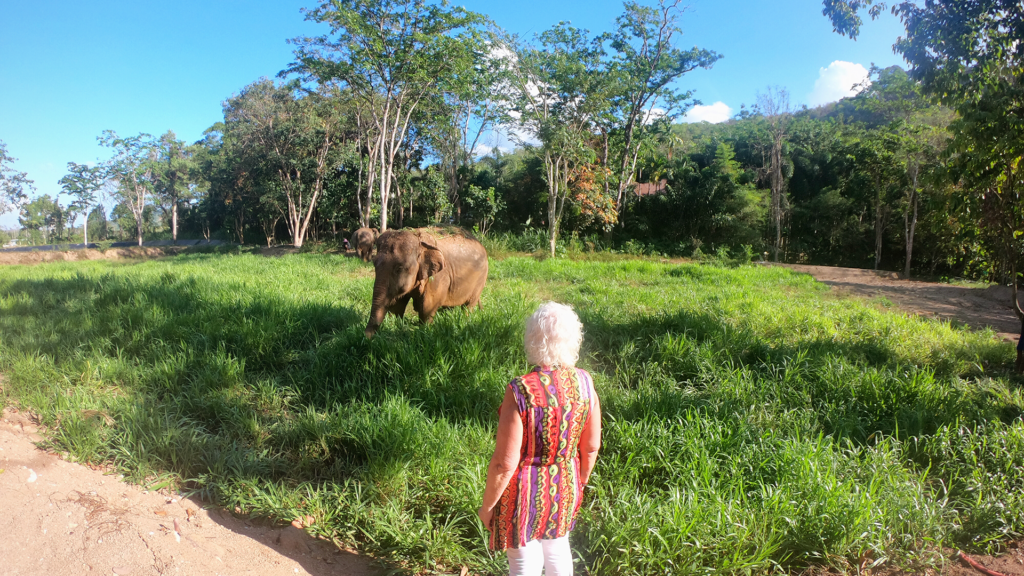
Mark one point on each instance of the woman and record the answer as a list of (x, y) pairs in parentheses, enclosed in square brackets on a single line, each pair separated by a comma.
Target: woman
[(549, 432)]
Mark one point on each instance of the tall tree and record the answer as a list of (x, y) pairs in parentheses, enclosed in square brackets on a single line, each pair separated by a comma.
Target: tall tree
[(558, 89), (83, 183), (38, 215), (172, 169), (645, 65), (132, 168), (292, 134), (773, 104), (917, 131), (393, 56), (466, 108), (14, 185)]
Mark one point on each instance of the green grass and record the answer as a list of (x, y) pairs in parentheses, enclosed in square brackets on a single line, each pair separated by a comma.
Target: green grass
[(753, 422)]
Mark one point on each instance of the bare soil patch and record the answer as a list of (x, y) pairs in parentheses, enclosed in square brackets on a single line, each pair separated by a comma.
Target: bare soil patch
[(58, 518), (978, 308), (133, 253)]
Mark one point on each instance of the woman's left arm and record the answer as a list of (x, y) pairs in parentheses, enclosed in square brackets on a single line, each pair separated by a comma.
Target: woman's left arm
[(505, 459)]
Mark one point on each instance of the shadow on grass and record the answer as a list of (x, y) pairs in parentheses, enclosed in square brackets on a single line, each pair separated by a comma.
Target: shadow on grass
[(673, 363), (190, 337)]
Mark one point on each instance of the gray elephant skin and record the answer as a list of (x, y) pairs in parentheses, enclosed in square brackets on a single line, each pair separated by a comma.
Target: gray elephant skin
[(433, 268), (362, 240)]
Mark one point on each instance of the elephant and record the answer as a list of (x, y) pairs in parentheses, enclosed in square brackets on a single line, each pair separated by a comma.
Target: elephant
[(434, 268), (362, 241)]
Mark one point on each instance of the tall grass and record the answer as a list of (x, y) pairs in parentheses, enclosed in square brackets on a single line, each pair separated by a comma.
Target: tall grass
[(753, 422)]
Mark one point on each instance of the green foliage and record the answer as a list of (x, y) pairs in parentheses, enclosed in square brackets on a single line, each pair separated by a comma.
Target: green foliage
[(41, 214), (485, 206), (753, 423), (14, 185), (432, 193)]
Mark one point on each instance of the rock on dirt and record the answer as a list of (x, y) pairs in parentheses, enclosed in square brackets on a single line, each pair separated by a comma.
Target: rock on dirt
[(60, 519)]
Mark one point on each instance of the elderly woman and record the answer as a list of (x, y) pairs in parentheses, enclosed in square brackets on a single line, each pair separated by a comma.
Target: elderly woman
[(549, 432)]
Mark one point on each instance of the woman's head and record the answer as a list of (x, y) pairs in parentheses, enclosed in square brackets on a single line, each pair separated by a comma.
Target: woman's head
[(553, 336)]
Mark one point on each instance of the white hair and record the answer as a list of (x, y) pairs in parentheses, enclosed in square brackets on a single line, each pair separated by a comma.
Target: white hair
[(553, 336)]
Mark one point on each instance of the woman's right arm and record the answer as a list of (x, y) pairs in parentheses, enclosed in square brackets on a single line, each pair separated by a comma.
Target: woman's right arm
[(505, 459), (590, 441)]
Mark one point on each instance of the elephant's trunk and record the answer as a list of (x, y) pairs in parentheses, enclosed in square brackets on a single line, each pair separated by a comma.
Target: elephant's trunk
[(378, 308)]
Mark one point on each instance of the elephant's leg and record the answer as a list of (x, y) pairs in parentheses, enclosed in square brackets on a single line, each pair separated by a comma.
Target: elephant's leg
[(400, 305), (424, 307)]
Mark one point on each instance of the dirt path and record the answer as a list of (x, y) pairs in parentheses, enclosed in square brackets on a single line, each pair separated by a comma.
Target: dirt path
[(133, 253), (976, 307), (58, 518)]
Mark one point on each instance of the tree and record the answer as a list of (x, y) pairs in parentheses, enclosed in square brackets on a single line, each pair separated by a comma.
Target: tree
[(83, 183), (132, 168), (124, 218), (917, 132), (485, 207), (557, 90), (97, 222), (291, 136), (773, 104), (14, 185), (39, 215), (172, 169), (877, 153), (462, 110), (645, 65), (392, 56)]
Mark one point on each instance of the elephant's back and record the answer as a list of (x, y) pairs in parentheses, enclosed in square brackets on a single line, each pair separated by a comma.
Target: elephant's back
[(468, 259), (465, 253)]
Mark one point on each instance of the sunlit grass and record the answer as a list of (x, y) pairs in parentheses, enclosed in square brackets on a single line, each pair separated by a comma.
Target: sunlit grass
[(753, 422)]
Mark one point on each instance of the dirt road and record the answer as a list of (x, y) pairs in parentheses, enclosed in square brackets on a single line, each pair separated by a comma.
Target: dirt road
[(976, 307), (61, 519)]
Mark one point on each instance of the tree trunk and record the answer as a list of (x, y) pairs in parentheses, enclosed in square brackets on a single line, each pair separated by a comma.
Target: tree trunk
[(85, 228), (401, 205), (910, 229), (878, 226), (174, 220)]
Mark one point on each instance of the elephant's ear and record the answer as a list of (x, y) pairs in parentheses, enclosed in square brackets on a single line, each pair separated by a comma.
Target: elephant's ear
[(433, 259)]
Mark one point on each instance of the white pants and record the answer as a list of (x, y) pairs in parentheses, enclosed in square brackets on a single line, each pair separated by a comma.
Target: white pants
[(551, 555)]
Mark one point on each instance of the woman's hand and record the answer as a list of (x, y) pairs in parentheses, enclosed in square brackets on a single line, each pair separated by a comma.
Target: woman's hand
[(485, 515)]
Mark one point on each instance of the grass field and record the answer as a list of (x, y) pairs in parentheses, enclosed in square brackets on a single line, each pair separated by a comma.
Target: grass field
[(753, 422)]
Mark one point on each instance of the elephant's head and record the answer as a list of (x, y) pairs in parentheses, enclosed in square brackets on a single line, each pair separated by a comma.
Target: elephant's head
[(405, 262)]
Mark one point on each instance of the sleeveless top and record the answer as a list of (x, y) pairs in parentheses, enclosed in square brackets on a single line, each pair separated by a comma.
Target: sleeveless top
[(545, 493)]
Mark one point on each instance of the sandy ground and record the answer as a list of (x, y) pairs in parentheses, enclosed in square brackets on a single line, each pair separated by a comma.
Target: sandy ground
[(134, 252), (58, 518), (979, 308)]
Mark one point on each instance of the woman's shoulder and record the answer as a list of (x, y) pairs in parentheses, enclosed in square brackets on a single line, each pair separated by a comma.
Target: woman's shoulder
[(584, 375)]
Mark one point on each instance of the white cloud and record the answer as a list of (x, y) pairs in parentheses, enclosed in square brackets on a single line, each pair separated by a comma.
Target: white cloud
[(712, 113), (836, 82), (485, 150), (653, 115)]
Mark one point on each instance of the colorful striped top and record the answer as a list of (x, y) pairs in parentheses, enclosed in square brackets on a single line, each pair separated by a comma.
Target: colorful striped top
[(545, 494)]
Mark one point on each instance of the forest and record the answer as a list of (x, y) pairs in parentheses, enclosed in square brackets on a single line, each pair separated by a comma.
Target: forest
[(381, 122)]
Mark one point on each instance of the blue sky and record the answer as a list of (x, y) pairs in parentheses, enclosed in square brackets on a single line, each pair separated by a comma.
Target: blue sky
[(69, 70)]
